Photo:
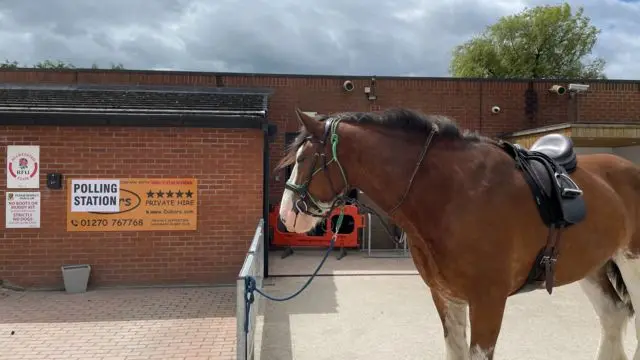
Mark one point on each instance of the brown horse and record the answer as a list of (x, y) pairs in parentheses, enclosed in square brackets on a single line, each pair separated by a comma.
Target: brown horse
[(476, 234)]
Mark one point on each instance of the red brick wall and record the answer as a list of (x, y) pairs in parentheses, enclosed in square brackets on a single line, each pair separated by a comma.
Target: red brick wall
[(467, 101), (230, 203)]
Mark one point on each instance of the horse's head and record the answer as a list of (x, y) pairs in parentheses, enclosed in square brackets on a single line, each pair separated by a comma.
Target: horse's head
[(317, 180)]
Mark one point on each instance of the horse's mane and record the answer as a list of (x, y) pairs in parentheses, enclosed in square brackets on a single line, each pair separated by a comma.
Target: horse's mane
[(395, 118)]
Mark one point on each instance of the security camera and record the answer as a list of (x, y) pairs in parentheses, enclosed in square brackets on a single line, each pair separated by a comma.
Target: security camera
[(495, 109), (347, 85), (558, 89), (578, 87)]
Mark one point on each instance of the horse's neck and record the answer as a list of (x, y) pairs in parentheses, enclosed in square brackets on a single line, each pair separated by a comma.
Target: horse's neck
[(384, 175)]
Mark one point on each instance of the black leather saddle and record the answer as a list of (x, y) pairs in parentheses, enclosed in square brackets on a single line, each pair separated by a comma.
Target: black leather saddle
[(546, 167)]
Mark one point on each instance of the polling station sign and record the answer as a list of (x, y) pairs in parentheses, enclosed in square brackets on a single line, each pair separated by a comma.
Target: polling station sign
[(95, 195), (162, 204)]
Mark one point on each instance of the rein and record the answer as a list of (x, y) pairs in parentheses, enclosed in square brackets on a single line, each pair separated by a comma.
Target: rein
[(432, 133)]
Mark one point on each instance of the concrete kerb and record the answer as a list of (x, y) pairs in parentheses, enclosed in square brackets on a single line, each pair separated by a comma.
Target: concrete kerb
[(252, 266)]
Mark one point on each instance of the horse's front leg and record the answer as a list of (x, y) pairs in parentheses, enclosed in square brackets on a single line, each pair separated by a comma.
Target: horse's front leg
[(453, 315), (485, 316)]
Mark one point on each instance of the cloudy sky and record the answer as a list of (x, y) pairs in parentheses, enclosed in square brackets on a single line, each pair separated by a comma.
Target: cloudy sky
[(408, 37)]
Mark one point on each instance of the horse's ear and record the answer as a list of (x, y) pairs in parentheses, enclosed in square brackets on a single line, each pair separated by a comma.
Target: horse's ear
[(315, 127)]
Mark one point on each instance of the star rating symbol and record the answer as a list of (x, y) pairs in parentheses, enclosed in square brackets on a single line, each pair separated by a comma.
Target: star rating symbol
[(169, 194)]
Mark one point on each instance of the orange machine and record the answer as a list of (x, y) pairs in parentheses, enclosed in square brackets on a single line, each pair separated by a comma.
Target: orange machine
[(347, 237)]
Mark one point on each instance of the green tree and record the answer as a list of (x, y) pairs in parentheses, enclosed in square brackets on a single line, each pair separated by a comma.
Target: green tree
[(538, 43), (50, 64), (9, 65)]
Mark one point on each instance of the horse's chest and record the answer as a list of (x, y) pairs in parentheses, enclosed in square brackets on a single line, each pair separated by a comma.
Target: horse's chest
[(428, 269)]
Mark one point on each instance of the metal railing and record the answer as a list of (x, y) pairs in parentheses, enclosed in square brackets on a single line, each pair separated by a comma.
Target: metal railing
[(399, 252), (253, 266)]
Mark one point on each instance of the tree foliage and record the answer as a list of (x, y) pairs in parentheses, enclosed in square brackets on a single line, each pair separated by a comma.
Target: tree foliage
[(53, 64), (9, 65), (50, 64), (538, 43)]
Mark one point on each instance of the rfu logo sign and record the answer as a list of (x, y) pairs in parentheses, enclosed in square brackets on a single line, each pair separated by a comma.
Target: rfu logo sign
[(23, 166), (26, 167)]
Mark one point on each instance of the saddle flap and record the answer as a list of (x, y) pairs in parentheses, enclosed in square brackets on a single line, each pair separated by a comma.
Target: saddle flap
[(573, 209), (558, 197)]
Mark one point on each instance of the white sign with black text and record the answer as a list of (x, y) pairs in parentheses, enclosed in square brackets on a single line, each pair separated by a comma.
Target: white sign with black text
[(95, 195), (23, 167), (23, 210)]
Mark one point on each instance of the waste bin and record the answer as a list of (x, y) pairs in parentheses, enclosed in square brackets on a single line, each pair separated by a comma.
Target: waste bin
[(76, 277)]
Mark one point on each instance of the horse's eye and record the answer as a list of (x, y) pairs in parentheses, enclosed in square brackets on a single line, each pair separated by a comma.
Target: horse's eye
[(301, 159)]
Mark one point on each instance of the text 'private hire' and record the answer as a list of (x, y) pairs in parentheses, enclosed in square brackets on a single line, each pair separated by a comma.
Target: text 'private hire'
[(154, 202)]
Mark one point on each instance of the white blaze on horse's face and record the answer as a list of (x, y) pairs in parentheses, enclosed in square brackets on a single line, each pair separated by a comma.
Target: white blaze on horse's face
[(295, 222)]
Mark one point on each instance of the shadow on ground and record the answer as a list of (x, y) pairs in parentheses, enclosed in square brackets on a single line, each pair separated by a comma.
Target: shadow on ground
[(305, 261), (117, 305), (273, 337), (273, 333)]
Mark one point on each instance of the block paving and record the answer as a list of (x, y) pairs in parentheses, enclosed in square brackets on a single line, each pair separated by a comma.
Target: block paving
[(126, 324)]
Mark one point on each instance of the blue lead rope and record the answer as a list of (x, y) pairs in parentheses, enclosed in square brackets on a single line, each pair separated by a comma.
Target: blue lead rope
[(250, 282)]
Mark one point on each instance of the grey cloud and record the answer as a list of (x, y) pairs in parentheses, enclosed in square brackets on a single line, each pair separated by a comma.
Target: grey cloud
[(287, 36)]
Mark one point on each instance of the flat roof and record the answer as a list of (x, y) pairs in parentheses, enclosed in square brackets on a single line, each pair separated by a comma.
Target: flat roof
[(24, 104)]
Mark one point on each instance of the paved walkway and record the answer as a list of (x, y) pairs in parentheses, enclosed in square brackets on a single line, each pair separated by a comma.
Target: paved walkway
[(367, 309), (167, 323), (381, 317)]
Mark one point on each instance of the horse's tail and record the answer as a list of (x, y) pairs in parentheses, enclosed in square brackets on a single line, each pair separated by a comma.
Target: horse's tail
[(620, 294)]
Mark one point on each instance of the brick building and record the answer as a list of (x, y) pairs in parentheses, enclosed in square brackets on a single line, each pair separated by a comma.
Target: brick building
[(212, 127)]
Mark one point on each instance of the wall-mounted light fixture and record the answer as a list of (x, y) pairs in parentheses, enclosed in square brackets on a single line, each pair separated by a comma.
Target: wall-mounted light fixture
[(558, 89), (348, 86)]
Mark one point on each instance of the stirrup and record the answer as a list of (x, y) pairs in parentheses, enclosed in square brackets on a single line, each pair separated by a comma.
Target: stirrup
[(573, 191)]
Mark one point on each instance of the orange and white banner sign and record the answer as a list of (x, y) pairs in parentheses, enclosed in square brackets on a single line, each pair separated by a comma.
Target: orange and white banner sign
[(132, 204)]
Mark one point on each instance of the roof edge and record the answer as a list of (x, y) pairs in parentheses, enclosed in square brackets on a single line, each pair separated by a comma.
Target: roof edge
[(538, 130), (140, 88), (131, 120), (127, 111), (542, 129), (325, 76)]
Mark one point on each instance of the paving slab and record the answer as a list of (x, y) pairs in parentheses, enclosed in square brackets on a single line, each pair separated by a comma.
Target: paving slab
[(156, 323)]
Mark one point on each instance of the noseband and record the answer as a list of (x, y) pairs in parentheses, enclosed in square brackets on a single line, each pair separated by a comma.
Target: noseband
[(306, 203), (309, 205)]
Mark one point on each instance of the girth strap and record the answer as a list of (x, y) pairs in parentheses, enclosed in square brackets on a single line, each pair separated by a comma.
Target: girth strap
[(550, 256)]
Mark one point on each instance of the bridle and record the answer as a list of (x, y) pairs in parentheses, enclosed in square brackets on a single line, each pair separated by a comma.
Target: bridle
[(311, 206), (306, 203)]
